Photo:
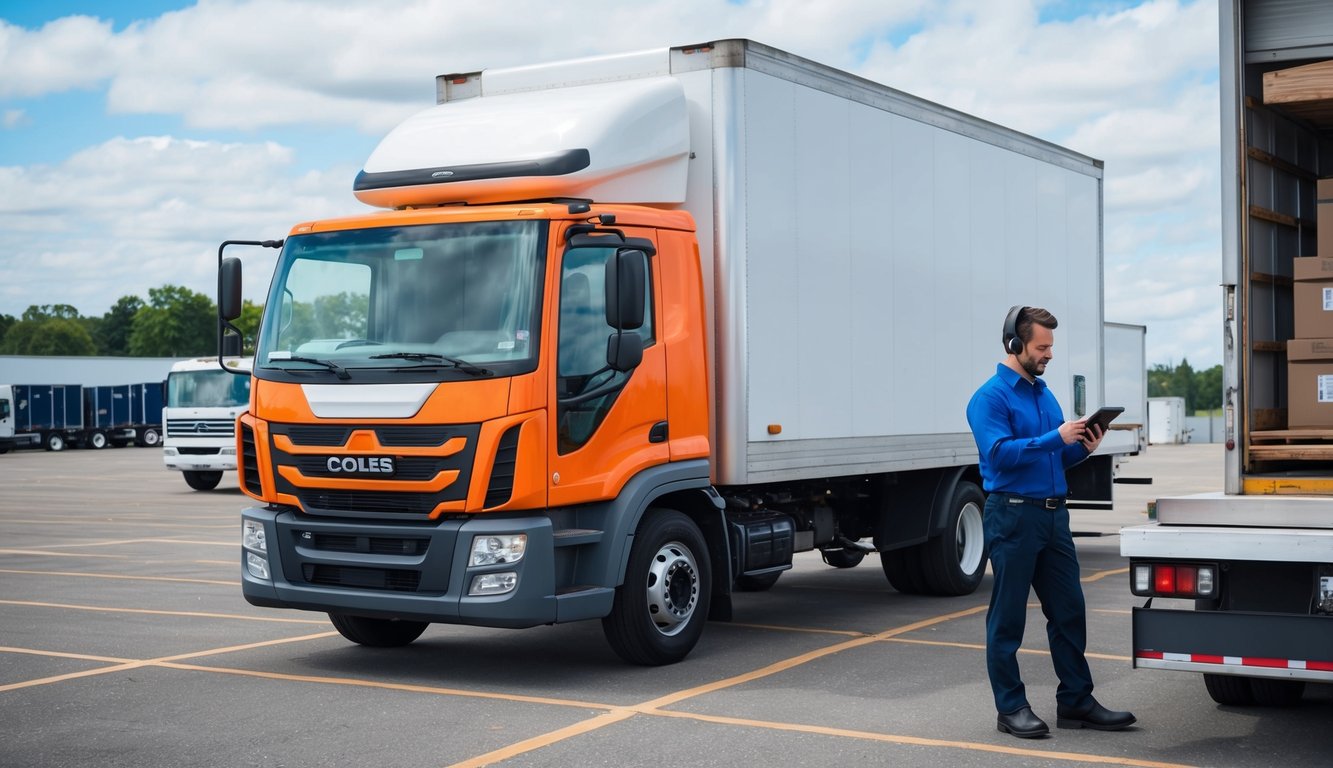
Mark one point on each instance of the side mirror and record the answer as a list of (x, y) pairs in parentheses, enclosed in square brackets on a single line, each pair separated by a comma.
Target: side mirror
[(626, 284), (229, 288), (624, 351)]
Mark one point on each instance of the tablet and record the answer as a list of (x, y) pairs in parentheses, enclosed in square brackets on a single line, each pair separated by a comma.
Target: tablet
[(1104, 416)]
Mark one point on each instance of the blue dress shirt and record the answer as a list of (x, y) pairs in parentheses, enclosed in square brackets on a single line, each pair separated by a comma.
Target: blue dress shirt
[(1016, 424)]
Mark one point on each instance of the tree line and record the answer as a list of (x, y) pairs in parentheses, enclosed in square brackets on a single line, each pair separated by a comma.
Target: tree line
[(1202, 390), (174, 322)]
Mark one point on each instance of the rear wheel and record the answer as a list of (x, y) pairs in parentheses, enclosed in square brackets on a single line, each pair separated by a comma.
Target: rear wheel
[(149, 438), (660, 610), (1229, 689), (97, 440), (1276, 693), (202, 481), (902, 567), (955, 560), (54, 441), (377, 633)]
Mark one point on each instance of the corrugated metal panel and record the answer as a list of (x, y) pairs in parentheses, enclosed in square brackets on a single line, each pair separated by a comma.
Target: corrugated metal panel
[(1283, 30)]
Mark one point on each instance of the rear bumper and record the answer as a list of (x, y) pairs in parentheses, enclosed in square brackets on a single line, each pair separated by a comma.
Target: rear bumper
[(1274, 645), (429, 583)]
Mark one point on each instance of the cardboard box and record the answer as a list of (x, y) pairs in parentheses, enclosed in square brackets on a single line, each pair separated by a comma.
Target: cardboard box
[(1309, 383), (1324, 218), (1312, 293)]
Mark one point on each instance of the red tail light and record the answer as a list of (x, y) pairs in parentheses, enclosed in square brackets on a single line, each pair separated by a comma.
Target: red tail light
[(1173, 580)]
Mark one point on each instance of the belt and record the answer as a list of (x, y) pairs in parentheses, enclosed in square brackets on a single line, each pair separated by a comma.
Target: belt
[(1049, 502)]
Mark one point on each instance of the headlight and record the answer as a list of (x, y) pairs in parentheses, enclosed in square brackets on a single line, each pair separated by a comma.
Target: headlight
[(252, 536), (499, 548)]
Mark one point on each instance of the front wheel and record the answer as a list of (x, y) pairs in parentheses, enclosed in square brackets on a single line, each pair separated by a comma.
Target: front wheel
[(660, 610), (54, 441), (149, 438), (377, 633), (202, 481), (955, 560), (97, 440)]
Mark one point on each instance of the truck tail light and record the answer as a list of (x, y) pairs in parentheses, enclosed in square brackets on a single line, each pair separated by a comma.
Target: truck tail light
[(1173, 580)]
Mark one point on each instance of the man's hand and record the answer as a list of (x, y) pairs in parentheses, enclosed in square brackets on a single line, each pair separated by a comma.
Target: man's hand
[(1092, 437), (1073, 431)]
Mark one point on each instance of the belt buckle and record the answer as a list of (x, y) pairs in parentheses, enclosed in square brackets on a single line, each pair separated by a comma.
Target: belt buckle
[(1051, 503)]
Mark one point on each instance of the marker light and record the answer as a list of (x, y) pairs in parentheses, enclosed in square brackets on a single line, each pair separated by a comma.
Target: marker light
[(493, 583), (257, 565), (1172, 580), (498, 548)]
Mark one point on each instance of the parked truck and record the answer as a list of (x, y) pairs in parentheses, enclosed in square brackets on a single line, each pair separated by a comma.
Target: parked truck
[(1240, 583), (45, 415), (638, 328), (203, 402), (122, 414)]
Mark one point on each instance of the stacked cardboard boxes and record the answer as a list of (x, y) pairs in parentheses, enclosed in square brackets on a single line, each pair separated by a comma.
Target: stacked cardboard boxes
[(1310, 354)]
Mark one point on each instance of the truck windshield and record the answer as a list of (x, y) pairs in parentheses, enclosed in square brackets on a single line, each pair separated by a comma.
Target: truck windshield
[(207, 389), (396, 303)]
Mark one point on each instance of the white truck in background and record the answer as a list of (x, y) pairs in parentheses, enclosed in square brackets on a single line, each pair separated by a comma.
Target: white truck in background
[(1244, 579), (203, 402)]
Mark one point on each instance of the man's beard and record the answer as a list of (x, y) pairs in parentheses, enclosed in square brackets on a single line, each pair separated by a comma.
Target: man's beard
[(1032, 366)]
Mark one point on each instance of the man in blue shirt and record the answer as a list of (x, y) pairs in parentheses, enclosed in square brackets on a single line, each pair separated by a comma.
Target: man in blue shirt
[(1025, 446)]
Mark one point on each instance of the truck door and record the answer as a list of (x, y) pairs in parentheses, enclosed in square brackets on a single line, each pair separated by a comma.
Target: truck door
[(608, 424)]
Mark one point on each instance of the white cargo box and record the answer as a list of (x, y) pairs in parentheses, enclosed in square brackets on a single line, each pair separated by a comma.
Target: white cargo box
[(863, 245)]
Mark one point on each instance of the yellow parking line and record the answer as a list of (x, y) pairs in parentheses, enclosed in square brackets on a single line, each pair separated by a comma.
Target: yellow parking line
[(546, 739), (1103, 574), (914, 741), (982, 647), (813, 630), (121, 577), (151, 662), (44, 553), (152, 612), (62, 655), (408, 687)]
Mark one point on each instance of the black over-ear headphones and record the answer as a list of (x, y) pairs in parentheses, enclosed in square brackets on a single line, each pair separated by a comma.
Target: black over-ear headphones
[(1012, 344)]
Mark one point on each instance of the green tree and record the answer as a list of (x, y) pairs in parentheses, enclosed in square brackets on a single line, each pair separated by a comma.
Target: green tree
[(6, 322), (48, 329), (248, 322), (176, 322), (1208, 389), (113, 333), (1182, 382)]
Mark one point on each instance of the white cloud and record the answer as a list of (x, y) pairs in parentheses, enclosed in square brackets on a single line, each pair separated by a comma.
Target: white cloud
[(13, 118), (1135, 88), (130, 214)]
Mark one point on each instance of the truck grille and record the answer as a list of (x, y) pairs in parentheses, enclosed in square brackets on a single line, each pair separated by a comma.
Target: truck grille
[(201, 428), (501, 486), (249, 463), (400, 505), (387, 579)]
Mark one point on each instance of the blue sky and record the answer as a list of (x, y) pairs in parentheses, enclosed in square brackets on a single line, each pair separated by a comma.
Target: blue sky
[(136, 138)]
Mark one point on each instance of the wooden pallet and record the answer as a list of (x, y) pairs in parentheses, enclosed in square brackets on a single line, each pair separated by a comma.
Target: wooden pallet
[(1292, 445)]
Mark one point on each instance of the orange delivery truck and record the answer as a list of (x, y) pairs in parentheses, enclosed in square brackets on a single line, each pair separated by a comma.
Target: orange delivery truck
[(634, 330)]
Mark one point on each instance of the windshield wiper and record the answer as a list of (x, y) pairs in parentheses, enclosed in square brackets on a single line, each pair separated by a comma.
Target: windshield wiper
[(332, 366), (461, 365)]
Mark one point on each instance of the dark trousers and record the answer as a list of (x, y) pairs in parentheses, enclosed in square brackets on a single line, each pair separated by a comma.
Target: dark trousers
[(1031, 547)]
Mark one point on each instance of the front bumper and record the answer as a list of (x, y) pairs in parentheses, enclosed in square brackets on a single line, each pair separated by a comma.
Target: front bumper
[(417, 571)]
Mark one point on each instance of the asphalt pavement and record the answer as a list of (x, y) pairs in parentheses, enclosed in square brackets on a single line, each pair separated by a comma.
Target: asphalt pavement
[(124, 641)]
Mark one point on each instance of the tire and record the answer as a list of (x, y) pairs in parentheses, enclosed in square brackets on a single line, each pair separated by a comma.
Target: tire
[(377, 633), (758, 583), (202, 481), (659, 612), (150, 438), (97, 440), (842, 558), (955, 560), (1276, 693), (1229, 690), (902, 567), (54, 441)]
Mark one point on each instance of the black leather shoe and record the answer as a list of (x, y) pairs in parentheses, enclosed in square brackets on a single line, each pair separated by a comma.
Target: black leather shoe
[(1022, 724), (1094, 716)]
